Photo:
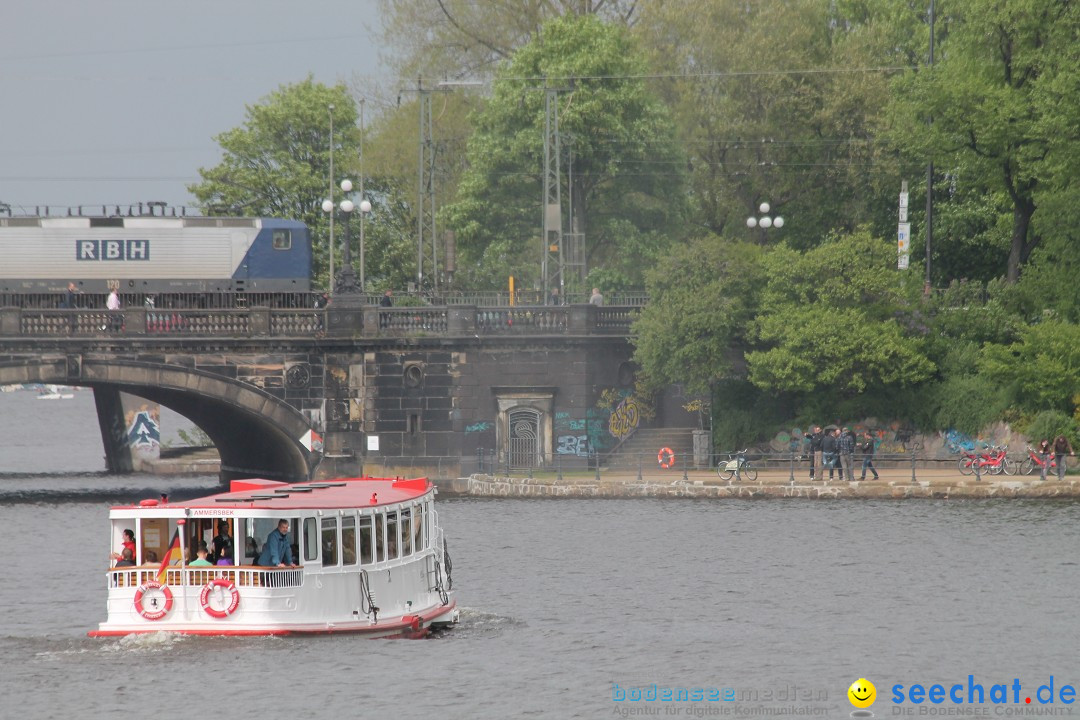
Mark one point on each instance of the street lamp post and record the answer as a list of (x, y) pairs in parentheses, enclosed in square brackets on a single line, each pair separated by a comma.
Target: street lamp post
[(330, 278), (765, 221), (345, 281)]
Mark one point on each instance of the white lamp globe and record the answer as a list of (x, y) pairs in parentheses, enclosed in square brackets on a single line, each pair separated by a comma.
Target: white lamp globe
[(346, 185), (766, 222), (327, 205), (778, 222), (365, 206), (751, 222), (347, 206), (764, 208)]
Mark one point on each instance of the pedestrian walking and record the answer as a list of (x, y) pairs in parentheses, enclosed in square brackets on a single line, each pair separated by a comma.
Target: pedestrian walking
[(866, 450)]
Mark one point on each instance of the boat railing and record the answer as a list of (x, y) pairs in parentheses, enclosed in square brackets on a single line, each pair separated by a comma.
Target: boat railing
[(251, 577)]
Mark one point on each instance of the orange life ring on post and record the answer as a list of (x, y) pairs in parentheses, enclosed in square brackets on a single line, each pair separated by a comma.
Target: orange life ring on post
[(666, 457), (154, 611), (204, 598)]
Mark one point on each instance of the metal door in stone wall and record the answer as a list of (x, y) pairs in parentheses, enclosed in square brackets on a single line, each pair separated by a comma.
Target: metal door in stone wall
[(524, 437)]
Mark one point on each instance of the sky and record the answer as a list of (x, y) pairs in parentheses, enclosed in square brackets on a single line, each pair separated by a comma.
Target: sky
[(118, 101)]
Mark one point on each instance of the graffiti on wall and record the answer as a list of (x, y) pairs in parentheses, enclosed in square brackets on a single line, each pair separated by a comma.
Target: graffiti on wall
[(624, 418)]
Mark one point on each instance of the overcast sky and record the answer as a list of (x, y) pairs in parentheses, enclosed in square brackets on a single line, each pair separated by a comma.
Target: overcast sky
[(118, 101)]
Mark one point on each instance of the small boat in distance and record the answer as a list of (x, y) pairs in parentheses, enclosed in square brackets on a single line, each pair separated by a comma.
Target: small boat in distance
[(55, 392), (361, 555)]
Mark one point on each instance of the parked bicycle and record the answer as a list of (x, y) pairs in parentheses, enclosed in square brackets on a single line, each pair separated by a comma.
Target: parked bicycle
[(737, 463), (993, 462), (1033, 463)]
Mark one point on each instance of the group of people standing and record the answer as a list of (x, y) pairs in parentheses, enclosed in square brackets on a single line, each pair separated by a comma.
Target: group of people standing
[(835, 448)]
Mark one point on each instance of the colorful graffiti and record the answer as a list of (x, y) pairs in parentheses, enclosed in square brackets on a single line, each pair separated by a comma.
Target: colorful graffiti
[(624, 418), (573, 445), (143, 431), (478, 427)]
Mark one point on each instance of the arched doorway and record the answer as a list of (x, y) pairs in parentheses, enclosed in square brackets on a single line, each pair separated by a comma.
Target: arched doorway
[(524, 437)]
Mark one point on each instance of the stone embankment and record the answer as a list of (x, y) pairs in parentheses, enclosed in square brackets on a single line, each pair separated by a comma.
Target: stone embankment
[(938, 484)]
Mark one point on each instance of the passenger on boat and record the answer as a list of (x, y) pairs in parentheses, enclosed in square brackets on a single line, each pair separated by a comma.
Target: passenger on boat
[(201, 561), (225, 558), (128, 544), (127, 558), (221, 541), (277, 552), (150, 558)]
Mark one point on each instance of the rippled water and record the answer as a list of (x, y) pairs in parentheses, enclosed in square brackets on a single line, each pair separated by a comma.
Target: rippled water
[(564, 598)]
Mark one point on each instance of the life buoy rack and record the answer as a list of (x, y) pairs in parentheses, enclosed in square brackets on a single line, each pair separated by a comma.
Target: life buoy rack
[(230, 587), (666, 457), (154, 612)]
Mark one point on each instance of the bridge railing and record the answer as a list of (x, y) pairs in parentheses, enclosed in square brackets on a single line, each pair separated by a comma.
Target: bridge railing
[(338, 319)]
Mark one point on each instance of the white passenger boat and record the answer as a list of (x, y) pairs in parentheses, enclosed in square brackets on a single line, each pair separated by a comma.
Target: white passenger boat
[(362, 555)]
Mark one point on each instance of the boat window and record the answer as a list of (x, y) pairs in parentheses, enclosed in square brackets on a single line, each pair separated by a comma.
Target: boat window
[(311, 539), (329, 542), (380, 538), (419, 533), (392, 540), (367, 547), (348, 540), (406, 532), (282, 240)]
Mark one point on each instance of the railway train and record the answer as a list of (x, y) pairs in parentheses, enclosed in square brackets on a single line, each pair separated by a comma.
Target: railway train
[(148, 255)]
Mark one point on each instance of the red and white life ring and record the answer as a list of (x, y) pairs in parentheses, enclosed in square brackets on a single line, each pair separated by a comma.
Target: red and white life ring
[(234, 602), (666, 457), (157, 608)]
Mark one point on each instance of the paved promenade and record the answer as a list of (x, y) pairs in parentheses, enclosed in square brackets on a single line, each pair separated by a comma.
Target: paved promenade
[(930, 482)]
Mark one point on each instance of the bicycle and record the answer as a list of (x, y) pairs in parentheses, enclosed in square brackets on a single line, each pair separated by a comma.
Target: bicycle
[(995, 462), (737, 464), (1033, 462)]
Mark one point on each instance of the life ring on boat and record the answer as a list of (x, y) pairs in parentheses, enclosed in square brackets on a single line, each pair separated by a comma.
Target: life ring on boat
[(204, 598), (154, 612), (666, 457)]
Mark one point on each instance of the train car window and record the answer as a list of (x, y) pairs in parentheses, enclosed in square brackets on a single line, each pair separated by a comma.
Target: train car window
[(282, 240)]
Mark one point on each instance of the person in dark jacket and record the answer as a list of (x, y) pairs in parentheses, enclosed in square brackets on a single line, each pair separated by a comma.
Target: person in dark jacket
[(866, 450), (829, 447), (815, 450), (1061, 447)]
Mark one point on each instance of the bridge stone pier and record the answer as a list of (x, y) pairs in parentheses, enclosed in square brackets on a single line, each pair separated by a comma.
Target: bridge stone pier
[(312, 394)]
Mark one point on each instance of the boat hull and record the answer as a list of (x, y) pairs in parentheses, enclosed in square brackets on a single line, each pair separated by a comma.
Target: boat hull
[(416, 625)]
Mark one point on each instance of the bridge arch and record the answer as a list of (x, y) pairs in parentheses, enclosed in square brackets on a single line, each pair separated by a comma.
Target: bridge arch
[(255, 433)]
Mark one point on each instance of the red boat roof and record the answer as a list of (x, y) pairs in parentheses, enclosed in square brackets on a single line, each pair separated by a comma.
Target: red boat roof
[(340, 493)]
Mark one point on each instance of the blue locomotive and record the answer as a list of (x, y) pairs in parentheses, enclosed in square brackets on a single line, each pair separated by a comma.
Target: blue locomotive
[(154, 254)]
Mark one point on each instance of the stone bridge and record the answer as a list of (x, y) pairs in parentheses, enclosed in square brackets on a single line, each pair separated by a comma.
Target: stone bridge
[(300, 394)]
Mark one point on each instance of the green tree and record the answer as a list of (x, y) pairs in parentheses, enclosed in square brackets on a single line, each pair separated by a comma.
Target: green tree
[(980, 113), (703, 299), (626, 191), (278, 163), (834, 321), (1041, 370), (777, 102), (464, 38)]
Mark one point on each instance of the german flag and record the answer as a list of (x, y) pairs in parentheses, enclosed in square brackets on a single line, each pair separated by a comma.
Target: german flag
[(173, 556)]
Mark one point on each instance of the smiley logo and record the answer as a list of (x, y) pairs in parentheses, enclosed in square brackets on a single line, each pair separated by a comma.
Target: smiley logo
[(862, 693)]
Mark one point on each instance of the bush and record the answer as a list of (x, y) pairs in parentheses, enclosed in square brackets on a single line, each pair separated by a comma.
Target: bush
[(1049, 424)]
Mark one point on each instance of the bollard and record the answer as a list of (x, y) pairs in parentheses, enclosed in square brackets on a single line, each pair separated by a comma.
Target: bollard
[(685, 478), (480, 459), (639, 467), (738, 468), (978, 467), (558, 466), (530, 472), (791, 474), (913, 480), (597, 456)]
